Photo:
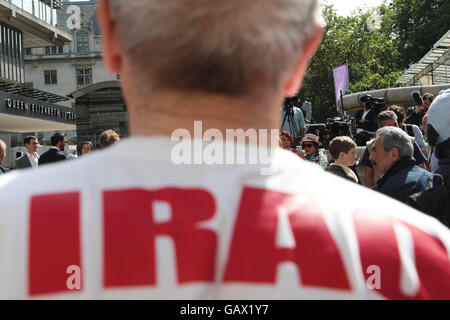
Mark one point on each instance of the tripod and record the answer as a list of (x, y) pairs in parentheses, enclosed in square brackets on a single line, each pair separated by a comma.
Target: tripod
[(289, 116)]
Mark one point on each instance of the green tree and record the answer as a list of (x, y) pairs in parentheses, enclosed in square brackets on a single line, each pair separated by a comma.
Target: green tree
[(366, 46), (418, 24)]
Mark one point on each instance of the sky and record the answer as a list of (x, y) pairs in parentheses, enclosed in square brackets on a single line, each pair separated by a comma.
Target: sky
[(345, 7)]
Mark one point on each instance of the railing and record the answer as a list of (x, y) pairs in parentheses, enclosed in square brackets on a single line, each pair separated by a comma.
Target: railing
[(42, 9)]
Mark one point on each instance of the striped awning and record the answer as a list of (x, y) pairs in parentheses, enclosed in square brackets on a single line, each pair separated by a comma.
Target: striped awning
[(434, 67)]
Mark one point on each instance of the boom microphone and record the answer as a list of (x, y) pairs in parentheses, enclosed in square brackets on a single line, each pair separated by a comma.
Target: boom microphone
[(417, 98)]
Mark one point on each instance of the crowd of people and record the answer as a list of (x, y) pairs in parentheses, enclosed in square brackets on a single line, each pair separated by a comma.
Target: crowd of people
[(136, 224), (396, 162), (56, 152)]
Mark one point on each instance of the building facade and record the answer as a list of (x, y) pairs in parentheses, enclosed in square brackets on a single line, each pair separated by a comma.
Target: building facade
[(75, 68), (67, 68), (24, 109)]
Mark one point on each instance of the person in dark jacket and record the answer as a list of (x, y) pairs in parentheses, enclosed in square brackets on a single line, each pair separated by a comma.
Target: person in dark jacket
[(55, 153), (366, 119), (392, 157), (343, 151), (415, 114), (436, 201)]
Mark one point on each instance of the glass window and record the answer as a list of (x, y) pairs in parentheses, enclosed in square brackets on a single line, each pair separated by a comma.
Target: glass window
[(82, 43), (84, 76), (50, 77), (47, 50)]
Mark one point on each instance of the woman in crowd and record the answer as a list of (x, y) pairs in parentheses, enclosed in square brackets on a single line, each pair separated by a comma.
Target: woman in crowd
[(287, 141), (87, 147), (310, 144)]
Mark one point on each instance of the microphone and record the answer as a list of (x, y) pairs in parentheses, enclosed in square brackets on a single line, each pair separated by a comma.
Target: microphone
[(417, 98)]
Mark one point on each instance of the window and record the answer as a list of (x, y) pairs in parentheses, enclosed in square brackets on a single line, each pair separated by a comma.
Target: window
[(82, 43), (28, 51), (50, 77), (84, 76), (53, 50)]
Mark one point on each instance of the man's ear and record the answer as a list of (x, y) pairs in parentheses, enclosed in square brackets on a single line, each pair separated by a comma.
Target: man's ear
[(394, 154), (112, 55), (293, 84)]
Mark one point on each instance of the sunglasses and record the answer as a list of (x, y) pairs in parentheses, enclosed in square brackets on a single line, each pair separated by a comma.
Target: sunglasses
[(308, 145)]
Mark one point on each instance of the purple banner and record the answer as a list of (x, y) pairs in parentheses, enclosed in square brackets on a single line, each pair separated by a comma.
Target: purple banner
[(340, 81)]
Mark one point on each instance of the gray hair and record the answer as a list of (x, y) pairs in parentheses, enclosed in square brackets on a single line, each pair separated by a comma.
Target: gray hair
[(386, 115), (2, 145), (218, 46), (393, 137)]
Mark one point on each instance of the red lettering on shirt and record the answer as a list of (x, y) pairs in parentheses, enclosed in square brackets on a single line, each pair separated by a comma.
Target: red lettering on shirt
[(54, 242), (130, 232), (378, 246), (254, 256)]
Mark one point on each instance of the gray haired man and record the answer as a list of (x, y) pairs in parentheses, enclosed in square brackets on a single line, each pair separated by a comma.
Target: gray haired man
[(392, 157)]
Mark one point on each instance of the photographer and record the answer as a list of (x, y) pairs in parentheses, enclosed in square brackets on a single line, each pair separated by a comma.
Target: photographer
[(366, 119), (289, 111), (415, 114)]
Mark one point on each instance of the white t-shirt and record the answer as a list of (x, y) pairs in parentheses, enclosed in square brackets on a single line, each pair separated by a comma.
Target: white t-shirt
[(127, 222), (34, 159), (365, 113)]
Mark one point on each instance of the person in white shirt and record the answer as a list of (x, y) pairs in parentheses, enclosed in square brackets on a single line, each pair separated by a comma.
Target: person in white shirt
[(174, 212), (30, 158)]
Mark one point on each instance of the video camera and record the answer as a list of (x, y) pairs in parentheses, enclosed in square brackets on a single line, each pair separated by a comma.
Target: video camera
[(375, 104), (290, 103), (341, 126)]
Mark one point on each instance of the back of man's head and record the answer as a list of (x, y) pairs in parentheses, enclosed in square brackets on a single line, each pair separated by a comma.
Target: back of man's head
[(230, 47), (57, 137), (108, 138)]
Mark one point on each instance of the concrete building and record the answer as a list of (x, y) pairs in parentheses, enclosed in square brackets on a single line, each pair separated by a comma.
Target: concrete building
[(24, 109), (65, 69), (76, 69)]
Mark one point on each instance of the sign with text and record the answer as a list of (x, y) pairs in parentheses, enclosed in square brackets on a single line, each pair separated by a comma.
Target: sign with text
[(26, 107)]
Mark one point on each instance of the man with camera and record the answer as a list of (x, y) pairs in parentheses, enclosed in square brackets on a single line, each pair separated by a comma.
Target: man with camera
[(292, 119), (415, 114), (366, 118)]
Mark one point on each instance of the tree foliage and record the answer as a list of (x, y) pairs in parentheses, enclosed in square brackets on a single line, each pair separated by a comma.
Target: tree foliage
[(369, 50), (418, 25)]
